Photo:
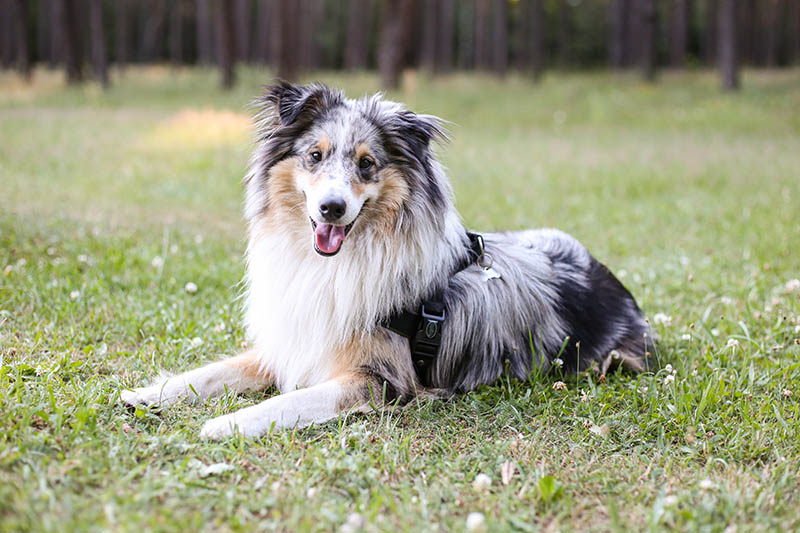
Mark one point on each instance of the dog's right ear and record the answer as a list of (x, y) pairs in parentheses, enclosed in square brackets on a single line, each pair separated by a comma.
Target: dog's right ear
[(300, 103)]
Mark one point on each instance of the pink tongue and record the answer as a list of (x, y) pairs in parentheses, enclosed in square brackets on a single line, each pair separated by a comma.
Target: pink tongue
[(329, 237)]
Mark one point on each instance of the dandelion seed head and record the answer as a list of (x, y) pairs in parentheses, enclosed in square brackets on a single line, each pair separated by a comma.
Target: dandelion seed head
[(482, 482), (661, 318), (190, 287), (476, 522)]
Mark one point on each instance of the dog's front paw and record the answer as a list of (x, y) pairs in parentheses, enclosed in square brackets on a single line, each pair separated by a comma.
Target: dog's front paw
[(219, 428), (146, 396)]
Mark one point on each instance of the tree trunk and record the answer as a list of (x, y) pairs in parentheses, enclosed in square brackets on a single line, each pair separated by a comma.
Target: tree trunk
[(563, 33), (532, 42), (679, 32), (19, 18), (711, 37), (647, 14), (261, 42), (500, 37), (176, 33), (204, 32), (466, 35), (153, 35), (772, 30), (445, 42), (242, 26), (308, 14), (794, 33), (482, 44), (70, 44), (98, 46), (123, 33), (286, 39), (397, 21), (728, 60), (430, 29), (359, 15), (43, 34), (618, 25), (226, 43)]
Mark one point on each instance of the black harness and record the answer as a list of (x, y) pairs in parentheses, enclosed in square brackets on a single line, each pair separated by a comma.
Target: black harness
[(423, 327)]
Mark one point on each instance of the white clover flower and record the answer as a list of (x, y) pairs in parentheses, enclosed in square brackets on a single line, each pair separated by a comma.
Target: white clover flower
[(558, 362), (157, 262), (797, 329), (75, 295), (476, 522), (198, 239), (482, 482), (732, 343), (668, 368), (643, 390), (83, 258), (622, 274), (311, 492), (355, 522), (661, 318), (792, 285), (195, 342), (726, 300), (706, 484), (684, 260), (559, 385), (715, 332), (190, 287), (670, 500), (669, 379), (686, 337), (173, 249)]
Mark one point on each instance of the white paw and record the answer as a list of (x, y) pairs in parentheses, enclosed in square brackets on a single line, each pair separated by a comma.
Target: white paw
[(148, 396), (219, 428)]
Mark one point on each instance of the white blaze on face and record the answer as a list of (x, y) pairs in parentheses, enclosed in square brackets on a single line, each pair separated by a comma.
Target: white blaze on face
[(332, 184)]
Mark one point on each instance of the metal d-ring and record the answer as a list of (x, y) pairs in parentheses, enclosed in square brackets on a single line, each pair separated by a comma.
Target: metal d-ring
[(485, 261)]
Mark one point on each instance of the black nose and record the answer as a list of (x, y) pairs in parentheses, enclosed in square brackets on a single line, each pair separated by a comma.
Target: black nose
[(332, 208)]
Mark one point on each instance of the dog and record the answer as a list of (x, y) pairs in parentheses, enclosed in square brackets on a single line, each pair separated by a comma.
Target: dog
[(364, 288)]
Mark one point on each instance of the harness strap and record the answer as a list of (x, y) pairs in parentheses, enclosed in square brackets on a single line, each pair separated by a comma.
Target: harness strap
[(423, 326)]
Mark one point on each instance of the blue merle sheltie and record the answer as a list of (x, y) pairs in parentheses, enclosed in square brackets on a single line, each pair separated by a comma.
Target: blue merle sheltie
[(364, 287)]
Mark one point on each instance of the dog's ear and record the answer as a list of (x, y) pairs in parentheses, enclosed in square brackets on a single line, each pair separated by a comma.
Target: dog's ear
[(418, 131), (291, 103)]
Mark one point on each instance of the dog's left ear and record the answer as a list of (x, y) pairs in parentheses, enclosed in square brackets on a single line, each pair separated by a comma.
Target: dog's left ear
[(300, 104), (419, 131)]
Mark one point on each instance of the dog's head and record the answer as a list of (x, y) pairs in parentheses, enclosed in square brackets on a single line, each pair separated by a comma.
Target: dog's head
[(343, 166)]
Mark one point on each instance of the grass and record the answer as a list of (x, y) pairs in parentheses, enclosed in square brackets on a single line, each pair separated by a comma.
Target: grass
[(691, 196)]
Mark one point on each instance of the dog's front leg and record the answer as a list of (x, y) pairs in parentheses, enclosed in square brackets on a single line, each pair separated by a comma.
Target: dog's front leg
[(239, 374), (299, 408)]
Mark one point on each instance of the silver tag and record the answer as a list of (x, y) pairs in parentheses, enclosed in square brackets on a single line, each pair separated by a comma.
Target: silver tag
[(490, 273)]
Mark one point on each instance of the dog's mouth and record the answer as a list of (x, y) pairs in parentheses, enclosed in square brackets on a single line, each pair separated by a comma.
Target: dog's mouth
[(328, 238)]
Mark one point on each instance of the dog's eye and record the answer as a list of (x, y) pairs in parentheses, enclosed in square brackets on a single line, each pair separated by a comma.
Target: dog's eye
[(365, 162), (316, 155)]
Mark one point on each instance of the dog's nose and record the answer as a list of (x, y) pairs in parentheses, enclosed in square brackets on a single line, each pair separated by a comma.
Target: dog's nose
[(332, 208)]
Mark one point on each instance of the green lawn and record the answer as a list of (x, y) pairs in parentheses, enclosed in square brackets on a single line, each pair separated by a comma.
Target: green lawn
[(111, 202)]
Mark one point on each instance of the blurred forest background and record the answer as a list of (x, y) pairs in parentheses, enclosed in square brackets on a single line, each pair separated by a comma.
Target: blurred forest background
[(84, 37)]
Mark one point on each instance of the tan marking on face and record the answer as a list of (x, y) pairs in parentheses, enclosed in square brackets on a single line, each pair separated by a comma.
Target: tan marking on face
[(362, 150), (248, 363), (284, 208), (324, 144), (384, 211)]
